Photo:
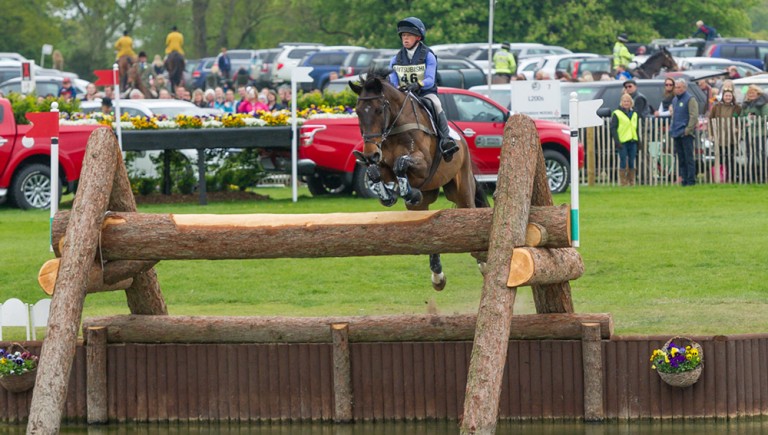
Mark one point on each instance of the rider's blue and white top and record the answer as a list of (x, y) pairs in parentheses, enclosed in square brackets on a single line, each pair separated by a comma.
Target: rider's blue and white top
[(418, 65)]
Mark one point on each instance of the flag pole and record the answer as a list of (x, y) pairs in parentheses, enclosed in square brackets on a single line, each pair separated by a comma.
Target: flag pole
[(116, 81), (54, 177)]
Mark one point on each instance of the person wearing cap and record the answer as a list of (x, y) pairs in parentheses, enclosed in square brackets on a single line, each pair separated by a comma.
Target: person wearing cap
[(174, 42), (709, 33), (67, 91), (639, 101), (414, 69), (504, 64), (624, 131), (621, 54)]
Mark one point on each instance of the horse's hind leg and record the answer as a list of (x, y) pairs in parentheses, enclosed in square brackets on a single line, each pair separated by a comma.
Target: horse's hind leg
[(438, 277)]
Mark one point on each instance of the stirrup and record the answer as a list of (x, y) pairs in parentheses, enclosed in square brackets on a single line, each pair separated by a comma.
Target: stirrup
[(448, 148)]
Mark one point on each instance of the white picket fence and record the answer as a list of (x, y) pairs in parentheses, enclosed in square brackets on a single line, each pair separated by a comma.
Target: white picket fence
[(732, 150)]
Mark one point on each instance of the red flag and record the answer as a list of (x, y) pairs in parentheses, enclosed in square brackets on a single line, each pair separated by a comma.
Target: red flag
[(106, 77), (44, 124)]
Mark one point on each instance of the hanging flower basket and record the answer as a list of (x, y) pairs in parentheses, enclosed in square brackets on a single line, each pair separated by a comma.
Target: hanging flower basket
[(679, 362), (18, 368)]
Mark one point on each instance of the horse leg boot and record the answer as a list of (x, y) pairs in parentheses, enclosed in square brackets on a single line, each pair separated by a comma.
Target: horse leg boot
[(438, 277), (386, 197), (410, 195), (448, 146)]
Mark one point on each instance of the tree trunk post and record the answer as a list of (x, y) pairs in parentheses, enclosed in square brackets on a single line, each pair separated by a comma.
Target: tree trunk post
[(48, 398), (342, 374), (508, 230), (592, 361), (96, 374)]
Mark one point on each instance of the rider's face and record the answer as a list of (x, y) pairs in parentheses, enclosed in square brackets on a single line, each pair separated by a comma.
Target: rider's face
[(409, 40)]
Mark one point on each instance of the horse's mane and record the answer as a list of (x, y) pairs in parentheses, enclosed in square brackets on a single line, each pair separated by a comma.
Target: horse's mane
[(374, 78)]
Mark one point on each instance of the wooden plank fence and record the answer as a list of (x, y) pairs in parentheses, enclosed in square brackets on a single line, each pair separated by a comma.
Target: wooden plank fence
[(731, 150), (543, 379)]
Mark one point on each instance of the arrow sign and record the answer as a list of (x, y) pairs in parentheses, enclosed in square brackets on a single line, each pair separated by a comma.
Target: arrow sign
[(105, 77), (588, 113), (300, 74)]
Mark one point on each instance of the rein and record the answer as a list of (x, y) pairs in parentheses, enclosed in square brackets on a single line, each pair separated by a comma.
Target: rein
[(392, 128)]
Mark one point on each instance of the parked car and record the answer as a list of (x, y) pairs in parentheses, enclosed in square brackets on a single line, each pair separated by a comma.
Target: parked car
[(597, 66), (190, 65), (289, 57), (741, 85), (478, 52), (325, 66), (262, 74), (715, 64), (358, 61), (10, 69), (557, 62), (202, 69), (326, 145), (746, 50), (44, 85), (452, 71)]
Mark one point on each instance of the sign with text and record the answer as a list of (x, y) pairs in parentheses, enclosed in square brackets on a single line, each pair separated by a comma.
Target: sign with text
[(536, 98)]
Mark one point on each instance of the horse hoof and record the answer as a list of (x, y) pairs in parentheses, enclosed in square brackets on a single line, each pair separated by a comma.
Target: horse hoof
[(481, 265), (414, 198), (438, 281), (388, 202)]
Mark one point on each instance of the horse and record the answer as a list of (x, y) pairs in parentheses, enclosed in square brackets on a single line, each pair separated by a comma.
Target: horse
[(402, 156), (134, 81), (124, 64), (652, 66), (174, 64)]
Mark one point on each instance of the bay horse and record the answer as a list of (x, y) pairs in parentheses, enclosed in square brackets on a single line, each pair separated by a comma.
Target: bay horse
[(655, 62), (124, 64), (402, 156), (174, 64)]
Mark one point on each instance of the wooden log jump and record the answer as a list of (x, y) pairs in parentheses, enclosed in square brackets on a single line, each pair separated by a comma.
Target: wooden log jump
[(427, 327)]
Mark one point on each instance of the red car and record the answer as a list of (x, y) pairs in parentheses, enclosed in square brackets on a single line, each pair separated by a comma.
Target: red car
[(328, 166)]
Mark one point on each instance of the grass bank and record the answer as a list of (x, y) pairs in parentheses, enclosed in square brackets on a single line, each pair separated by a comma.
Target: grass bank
[(660, 259)]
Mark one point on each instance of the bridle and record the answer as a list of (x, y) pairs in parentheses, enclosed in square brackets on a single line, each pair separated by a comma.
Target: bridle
[(389, 127)]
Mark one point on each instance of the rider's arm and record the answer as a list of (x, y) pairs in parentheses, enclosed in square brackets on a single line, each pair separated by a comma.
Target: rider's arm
[(393, 78), (429, 75)]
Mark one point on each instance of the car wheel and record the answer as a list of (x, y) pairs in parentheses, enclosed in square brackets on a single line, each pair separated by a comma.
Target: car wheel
[(328, 183), (31, 188), (362, 183), (558, 171)]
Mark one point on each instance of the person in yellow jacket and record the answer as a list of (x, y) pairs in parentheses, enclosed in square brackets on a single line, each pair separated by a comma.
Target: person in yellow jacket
[(504, 64), (624, 130), (174, 42), (124, 47), (621, 54)]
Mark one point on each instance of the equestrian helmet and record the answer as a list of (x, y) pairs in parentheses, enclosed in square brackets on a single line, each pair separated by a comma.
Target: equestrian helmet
[(506, 46), (412, 25), (622, 37)]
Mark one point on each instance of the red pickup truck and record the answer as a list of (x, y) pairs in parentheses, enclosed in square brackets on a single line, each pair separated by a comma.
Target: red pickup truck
[(25, 163), (328, 166)]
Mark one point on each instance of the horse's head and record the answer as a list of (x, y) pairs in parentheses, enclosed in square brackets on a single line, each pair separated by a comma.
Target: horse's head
[(668, 61), (374, 112)]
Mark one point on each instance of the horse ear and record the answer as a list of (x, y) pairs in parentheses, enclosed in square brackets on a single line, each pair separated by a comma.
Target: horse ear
[(355, 87)]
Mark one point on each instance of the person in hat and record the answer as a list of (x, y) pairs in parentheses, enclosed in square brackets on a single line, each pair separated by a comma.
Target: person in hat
[(639, 102), (707, 32), (504, 64), (67, 91), (174, 42), (106, 106), (414, 69), (124, 46), (621, 54)]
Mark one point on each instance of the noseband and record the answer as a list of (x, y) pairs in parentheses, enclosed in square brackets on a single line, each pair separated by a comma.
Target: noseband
[(388, 127)]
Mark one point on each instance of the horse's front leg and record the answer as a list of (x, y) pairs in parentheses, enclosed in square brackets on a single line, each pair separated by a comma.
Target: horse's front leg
[(387, 196), (411, 195)]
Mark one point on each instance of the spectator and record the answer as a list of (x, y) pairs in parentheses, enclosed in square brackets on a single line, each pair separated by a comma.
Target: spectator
[(723, 128), (666, 98), (224, 64), (106, 106), (213, 79), (520, 77), (707, 32), (563, 76), (541, 75), (136, 94), (624, 131), (622, 73), (733, 73), (198, 98), (252, 105), (640, 103), (109, 92), (755, 108), (621, 55), (67, 91), (284, 92), (90, 92), (586, 76), (157, 65), (504, 64), (209, 98), (272, 103), (685, 117), (58, 60), (164, 94), (229, 105)]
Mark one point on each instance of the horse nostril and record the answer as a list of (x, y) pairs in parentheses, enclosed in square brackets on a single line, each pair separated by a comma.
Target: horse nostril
[(376, 157)]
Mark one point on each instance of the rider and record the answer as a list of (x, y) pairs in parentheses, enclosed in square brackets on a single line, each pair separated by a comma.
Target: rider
[(621, 55), (504, 64), (415, 69), (124, 47), (174, 42)]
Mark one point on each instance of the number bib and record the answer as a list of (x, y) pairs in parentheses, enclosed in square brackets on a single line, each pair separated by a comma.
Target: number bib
[(410, 73)]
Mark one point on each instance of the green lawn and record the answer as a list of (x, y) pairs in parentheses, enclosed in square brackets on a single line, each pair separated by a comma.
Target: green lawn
[(666, 260)]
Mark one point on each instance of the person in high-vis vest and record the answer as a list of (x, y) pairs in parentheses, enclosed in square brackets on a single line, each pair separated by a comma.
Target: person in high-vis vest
[(504, 64), (624, 130), (124, 46), (174, 42), (621, 54), (414, 69)]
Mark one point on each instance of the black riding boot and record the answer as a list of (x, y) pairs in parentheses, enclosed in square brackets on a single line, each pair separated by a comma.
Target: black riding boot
[(448, 146)]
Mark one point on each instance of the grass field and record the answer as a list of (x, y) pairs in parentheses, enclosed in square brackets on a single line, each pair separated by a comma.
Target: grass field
[(665, 260)]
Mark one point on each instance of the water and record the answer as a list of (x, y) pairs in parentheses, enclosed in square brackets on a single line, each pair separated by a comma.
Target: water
[(744, 426)]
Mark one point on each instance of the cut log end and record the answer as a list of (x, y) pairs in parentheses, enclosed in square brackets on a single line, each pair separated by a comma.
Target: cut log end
[(46, 278)]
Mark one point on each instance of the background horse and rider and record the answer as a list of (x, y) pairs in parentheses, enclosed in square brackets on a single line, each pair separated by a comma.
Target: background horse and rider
[(654, 64), (174, 64), (402, 156)]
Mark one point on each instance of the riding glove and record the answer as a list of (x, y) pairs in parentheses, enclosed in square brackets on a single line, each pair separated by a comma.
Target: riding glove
[(413, 87)]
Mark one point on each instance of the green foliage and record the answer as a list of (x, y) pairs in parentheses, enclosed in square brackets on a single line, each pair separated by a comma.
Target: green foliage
[(144, 185), (31, 103), (345, 98), (183, 176), (239, 170)]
